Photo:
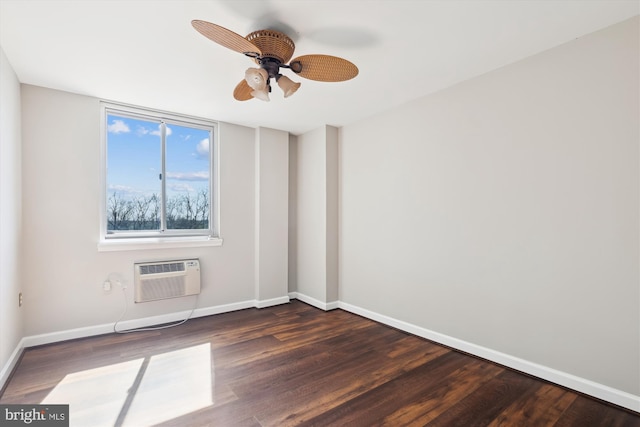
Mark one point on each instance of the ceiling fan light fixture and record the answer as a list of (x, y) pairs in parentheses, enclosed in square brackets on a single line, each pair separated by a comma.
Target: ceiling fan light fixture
[(261, 94), (272, 50), (288, 86), (258, 80)]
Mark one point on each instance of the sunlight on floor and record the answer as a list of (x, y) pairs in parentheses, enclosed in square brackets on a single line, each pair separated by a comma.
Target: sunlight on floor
[(96, 396), (174, 384), (139, 392)]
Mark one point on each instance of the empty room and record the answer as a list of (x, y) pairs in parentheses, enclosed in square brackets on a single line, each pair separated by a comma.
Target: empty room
[(329, 213)]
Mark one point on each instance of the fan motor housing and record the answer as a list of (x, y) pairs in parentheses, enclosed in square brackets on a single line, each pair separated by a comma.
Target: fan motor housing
[(272, 44)]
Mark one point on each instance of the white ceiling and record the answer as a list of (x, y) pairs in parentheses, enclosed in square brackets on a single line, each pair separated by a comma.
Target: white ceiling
[(146, 53)]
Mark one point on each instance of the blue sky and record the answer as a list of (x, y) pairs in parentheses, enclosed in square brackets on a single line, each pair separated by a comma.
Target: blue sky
[(133, 153)]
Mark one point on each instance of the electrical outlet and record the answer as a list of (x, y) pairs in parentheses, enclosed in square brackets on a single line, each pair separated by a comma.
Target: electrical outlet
[(20, 299), (106, 286)]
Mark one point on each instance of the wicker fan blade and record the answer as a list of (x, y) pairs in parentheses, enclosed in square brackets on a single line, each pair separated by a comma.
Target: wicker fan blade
[(242, 92), (224, 37), (323, 68)]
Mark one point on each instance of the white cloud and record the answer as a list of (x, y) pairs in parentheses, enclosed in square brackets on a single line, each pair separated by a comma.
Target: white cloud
[(118, 126), (203, 148), (157, 132), (144, 131), (188, 176), (181, 187), (122, 189)]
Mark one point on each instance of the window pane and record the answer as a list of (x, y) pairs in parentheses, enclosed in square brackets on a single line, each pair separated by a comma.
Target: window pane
[(133, 174), (187, 177)]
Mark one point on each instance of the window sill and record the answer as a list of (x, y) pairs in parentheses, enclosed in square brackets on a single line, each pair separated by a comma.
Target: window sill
[(135, 244)]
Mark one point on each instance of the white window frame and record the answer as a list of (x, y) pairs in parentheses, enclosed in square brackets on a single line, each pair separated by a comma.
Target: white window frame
[(161, 238)]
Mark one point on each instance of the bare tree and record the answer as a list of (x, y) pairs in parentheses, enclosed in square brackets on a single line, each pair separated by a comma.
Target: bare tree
[(188, 211), (202, 209), (146, 212), (140, 210), (118, 212), (154, 213), (172, 212)]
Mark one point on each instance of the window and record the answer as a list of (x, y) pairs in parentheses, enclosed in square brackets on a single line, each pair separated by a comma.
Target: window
[(158, 174)]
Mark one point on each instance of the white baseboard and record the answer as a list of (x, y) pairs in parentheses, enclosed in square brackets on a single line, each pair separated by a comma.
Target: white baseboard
[(271, 302), (225, 308), (326, 306), (600, 391), (124, 325), (591, 388), (52, 337), (11, 363)]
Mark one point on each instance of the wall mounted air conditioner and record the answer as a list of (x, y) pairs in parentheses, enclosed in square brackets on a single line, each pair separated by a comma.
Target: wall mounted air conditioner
[(166, 279)]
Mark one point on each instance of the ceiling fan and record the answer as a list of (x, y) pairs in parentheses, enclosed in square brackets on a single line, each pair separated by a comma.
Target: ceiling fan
[(272, 50)]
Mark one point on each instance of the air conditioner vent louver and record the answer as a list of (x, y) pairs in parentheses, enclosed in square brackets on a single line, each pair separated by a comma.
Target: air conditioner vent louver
[(168, 287), (161, 268), (170, 279)]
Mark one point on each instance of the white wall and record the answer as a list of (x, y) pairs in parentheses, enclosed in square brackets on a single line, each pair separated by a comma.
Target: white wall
[(272, 209), (293, 214), (11, 317), (504, 211), (332, 189), (63, 268), (311, 222), (316, 198)]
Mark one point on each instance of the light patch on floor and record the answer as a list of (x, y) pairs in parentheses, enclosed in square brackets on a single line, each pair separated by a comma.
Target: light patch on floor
[(139, 392)]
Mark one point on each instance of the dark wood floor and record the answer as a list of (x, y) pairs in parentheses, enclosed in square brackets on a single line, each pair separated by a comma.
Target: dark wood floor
[(290, 365)]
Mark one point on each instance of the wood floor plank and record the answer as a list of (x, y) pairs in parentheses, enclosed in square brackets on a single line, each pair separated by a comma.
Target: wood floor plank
[(543, 408), (296, 365), (425, 408), (344, 382), (370, 407), (583, 412), (488, 401)]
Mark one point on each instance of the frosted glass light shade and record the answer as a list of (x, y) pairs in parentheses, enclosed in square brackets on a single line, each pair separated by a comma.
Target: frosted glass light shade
[(257, 79), (261, 94), (288, 86)]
